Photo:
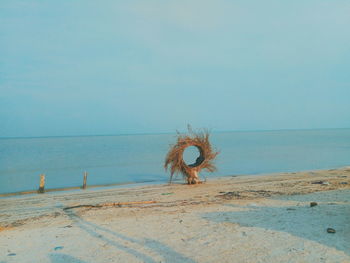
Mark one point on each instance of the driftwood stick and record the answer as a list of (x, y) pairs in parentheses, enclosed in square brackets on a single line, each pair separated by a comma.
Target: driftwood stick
[(129, 203), (110, 204), (78, 206)]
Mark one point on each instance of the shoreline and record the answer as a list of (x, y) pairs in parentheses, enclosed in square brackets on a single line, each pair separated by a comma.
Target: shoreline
[(247, 218), (63, 189), (140, 184), (268, 185)]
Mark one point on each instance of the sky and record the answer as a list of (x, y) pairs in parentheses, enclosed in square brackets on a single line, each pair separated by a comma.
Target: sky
[(114, 67)]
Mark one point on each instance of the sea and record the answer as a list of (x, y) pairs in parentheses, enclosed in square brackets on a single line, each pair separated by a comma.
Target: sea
[(134, 159)]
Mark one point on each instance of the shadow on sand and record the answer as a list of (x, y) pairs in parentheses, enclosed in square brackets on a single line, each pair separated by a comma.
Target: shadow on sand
[(118, 241), (63, 258), (300, 220)]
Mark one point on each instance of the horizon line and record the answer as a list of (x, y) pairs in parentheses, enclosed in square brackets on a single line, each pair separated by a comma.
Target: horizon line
[(159, 133)]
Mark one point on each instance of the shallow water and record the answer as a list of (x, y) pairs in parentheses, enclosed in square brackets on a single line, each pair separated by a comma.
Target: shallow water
[(139, 158)]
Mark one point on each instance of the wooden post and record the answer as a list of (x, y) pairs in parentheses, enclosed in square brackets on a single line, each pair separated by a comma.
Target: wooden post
[(85, 178), (41, 189)]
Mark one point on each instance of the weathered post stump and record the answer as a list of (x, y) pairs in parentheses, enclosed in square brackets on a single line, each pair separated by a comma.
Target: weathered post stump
[(84, 180), (41, 189)]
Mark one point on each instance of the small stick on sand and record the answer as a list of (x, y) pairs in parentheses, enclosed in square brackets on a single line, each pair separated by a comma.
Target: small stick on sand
[(111, 204)]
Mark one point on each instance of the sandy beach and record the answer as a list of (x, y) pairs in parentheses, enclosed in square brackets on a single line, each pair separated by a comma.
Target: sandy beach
[(263, 218)]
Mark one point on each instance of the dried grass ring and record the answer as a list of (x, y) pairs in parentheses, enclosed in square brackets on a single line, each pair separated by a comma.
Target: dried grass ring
[(174, 158)]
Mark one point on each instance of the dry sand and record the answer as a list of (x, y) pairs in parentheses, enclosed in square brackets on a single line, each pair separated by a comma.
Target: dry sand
[(265, 218)]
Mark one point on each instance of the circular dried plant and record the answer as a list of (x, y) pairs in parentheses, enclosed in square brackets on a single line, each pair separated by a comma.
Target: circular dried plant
[(175, 160)]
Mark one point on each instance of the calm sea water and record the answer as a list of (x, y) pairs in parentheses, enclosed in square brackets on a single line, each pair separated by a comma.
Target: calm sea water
[(139, 158)]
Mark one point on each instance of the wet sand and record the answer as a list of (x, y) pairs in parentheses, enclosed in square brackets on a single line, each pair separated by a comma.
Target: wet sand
[(264, 218)]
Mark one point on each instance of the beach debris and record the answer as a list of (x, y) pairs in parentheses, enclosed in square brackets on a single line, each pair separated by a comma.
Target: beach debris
[(330, 230), (56, 214), (312, 204), (343, 182), (320, 182), (11, 254), (119, 204), (167, 193), (58, 248), (190, 172), (230, 195), (17, 223), (68, 226), (264, 193), (2, 228)]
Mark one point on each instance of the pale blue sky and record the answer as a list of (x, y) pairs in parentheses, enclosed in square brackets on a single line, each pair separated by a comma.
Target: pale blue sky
[(110, 67)]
